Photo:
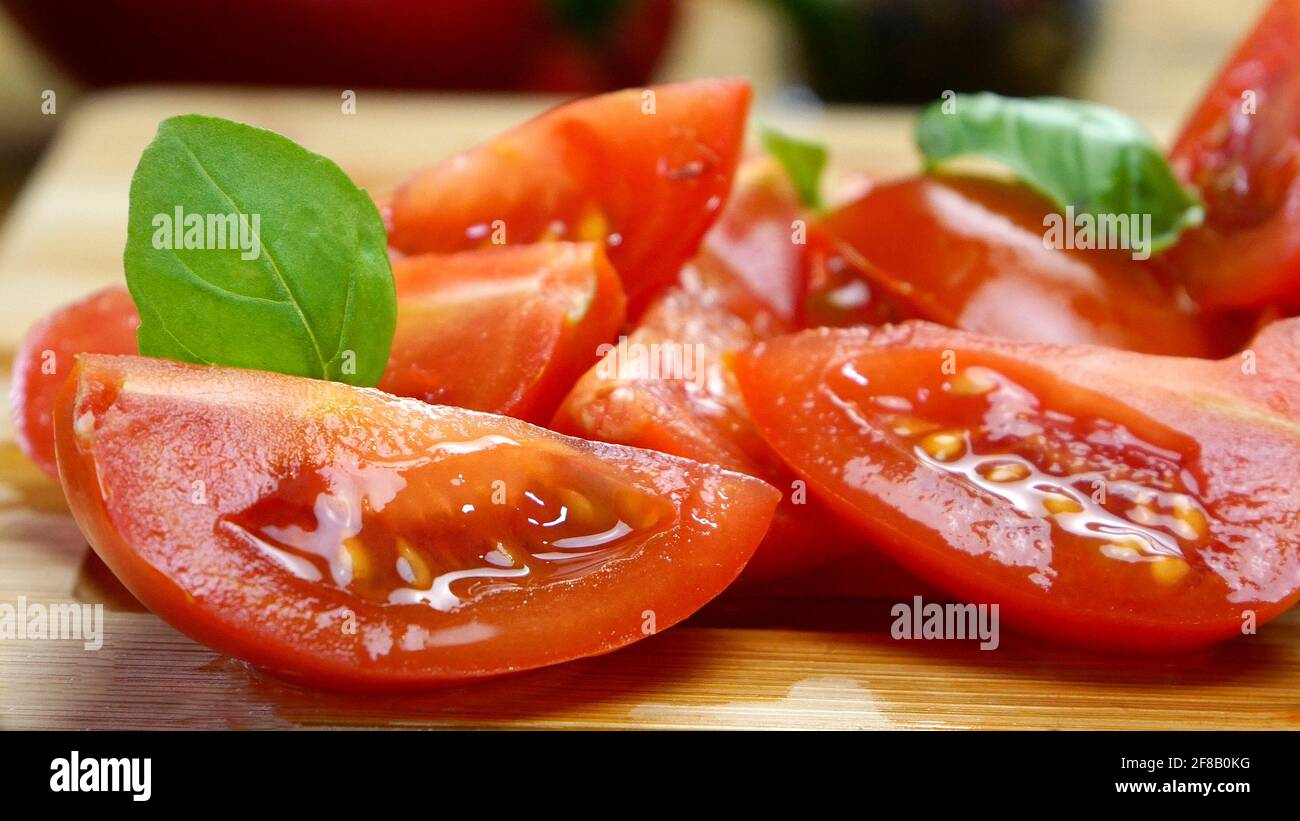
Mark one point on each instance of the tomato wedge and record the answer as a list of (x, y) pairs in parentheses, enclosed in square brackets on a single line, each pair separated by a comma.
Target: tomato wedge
[(1241, 149), (1102, 497), (104, 322), (969, 253), (504, 330), (666, 387), (346, 538), (645, 171)]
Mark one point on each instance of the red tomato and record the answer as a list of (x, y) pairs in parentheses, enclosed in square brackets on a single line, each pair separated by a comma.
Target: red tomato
[(666, 386), (103, 322), (1102, 497), (505, 330), (754, 256), (1241, 149), (346, 538), (839, 291), (643, 170), (535, 313), (969, 253)]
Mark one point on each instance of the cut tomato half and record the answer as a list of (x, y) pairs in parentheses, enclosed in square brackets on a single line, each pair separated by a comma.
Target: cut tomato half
[(643, 170), (504, 330), (346, 538), (970, 253), (1102, 497)]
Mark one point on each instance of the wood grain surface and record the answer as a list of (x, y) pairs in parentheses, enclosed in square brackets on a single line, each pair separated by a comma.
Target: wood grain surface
[(745, 662)]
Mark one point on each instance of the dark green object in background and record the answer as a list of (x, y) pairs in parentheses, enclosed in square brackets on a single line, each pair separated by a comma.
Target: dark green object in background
[(909, 51)]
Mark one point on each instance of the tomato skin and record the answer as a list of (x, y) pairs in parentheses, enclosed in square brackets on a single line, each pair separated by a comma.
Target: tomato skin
[(135, 434), (1246, 165), (1235, 432), (104, 322), (969, 253), (649, 185), (536, 312)]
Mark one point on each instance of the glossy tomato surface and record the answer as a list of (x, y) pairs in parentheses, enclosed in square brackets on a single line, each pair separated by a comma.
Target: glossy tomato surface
[(643, 170), (104, 322), (752, 260), (504, 330), (667, 387), (346, 538), (970, 253), (1102, 497), (1240, 148)]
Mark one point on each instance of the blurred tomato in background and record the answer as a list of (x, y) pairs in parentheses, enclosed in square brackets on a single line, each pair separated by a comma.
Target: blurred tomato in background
[(562, 46)]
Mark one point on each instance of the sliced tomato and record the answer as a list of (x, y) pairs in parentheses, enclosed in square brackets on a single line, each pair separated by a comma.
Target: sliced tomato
[(505, 330), (753, 259), (644, 170), (666, 387), (970, 253), (346, 538), (1102, 497), (104, 322), (1241, 149)]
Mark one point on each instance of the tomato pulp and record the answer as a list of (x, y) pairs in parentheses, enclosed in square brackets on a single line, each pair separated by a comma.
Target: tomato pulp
[(1103, 497), (346, 538)]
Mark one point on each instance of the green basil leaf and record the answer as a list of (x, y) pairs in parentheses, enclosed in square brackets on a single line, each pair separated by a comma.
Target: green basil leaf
[(804, 161), (245, 249), (1077, 154)]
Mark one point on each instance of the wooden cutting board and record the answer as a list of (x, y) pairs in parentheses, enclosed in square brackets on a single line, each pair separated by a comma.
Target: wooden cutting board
[(752, 662)]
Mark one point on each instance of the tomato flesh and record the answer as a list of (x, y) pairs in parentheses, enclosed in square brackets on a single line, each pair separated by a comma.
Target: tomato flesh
[(346, 538), (536, 312), (1102, 497), (643, 170), (1240, 148), (104, 322), (969, 253)]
